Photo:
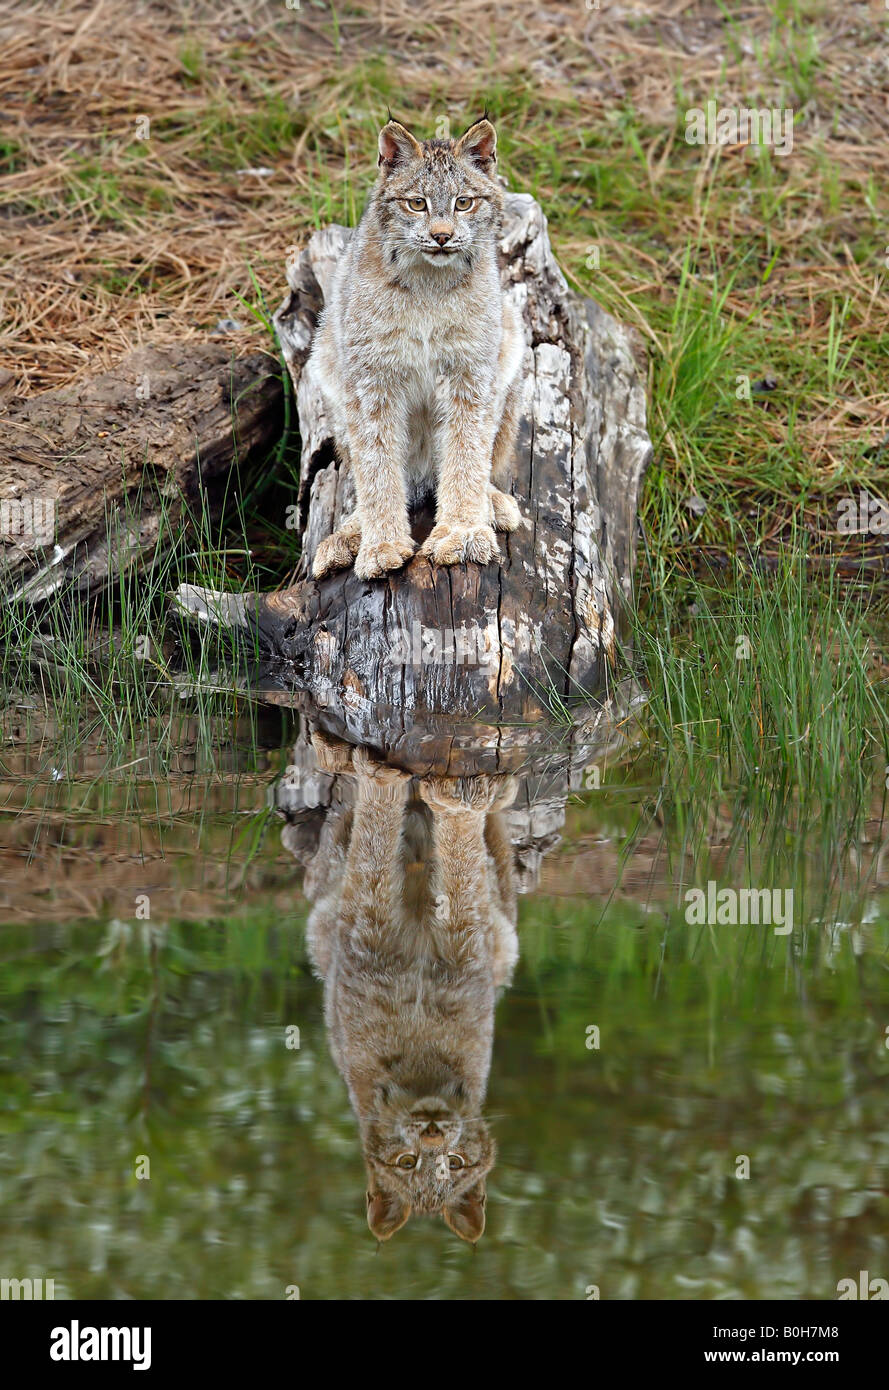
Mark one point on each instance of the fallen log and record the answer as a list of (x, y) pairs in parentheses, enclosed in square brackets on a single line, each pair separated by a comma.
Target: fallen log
[(500, 641), (88, 472)]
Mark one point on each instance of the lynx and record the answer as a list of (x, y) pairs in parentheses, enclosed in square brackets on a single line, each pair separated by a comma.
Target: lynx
[(418, 355), (413, 932)]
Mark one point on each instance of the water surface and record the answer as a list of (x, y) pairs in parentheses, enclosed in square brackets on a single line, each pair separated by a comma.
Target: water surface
[(155, 955)]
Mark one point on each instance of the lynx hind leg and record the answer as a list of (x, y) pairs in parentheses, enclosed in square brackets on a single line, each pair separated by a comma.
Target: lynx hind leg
[(504, 440), (505, 510), (507, 516), (338, 551)]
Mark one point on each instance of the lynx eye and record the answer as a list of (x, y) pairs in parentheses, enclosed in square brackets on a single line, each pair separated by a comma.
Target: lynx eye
[(456, 1161), (417, 204), (406, 1161), (463, 204)]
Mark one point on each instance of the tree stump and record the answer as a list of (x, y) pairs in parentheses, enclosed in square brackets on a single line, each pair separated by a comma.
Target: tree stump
[(500, 641)]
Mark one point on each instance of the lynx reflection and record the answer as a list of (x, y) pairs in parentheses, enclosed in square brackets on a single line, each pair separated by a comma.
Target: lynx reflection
[(412, 929)]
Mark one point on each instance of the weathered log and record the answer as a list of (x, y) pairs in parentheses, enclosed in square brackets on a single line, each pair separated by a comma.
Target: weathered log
[(87, 472), (498, 640)]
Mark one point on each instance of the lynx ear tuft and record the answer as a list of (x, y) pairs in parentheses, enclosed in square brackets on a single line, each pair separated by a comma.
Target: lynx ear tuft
[(466, 1217), (397, 145), (385, 1214), (479, 144)]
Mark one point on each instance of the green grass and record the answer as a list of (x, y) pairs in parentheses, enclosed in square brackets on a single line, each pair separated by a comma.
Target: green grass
[(768, 705), (11, 156), (223, 139), (759, 661), (123, 661)]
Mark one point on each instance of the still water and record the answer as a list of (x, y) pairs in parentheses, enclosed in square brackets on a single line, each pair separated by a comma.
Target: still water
[(286, 1017)]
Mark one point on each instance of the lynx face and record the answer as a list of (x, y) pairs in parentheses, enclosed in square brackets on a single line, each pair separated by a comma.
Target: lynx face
[(439, 201), (423, 1156)]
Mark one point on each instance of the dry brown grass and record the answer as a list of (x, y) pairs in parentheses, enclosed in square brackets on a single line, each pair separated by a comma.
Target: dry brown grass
[(97, 263)]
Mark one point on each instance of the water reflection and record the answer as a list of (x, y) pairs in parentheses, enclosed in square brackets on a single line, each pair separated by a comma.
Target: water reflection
[(413, 883), (725, 1050), (413, 930)]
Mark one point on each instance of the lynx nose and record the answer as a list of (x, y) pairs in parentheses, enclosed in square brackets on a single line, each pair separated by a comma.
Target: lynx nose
[(442, 235), (431, 1131)]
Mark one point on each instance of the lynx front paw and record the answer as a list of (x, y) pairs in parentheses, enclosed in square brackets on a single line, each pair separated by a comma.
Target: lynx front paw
[(481, 793), (375, 560), (507, 516), (332, 755), (449, 544), (338, 551), (378, 780)]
